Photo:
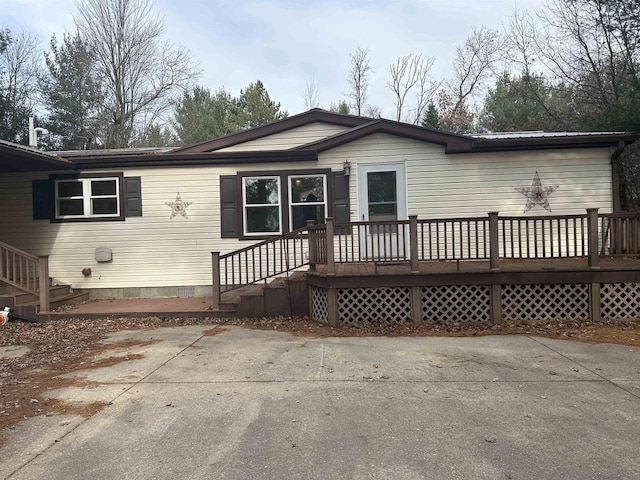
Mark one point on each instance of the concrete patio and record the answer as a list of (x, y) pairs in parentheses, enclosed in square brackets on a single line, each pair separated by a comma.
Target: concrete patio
[(244, 404)]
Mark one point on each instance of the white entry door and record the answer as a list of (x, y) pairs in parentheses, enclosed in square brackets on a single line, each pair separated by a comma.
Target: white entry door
[(382, 197)]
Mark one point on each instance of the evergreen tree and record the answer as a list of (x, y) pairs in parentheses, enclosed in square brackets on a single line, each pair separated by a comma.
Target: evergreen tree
[(201, 116), (342, 107), (431, 117), (71, 93), (517, 104), (253, 108), (155, 136)]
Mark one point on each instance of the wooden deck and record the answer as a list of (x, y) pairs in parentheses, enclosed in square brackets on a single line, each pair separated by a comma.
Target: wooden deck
[(366, 269)]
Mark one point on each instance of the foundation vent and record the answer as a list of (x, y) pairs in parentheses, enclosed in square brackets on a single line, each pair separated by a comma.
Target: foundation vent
[(186, 292)]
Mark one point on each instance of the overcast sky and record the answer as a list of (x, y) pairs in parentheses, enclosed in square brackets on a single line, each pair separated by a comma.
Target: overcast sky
[(288, 43)]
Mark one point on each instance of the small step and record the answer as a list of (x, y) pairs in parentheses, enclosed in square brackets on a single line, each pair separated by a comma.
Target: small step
[(7, 289), (22, 298), (59, 301), (233, 297)]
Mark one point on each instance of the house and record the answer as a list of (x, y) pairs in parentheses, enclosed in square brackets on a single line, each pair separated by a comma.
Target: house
[(144, 223)]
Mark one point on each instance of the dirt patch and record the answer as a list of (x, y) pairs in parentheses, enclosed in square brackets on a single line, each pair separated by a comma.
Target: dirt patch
[(63, 347), (213, 331)]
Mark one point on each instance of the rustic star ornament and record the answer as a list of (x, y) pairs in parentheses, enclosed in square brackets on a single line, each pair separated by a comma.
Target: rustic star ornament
[(537, 194), (178, 207)]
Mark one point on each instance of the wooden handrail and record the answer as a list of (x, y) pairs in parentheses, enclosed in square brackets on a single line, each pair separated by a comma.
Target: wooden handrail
[(17, 251), (20, 269), (261, 261)]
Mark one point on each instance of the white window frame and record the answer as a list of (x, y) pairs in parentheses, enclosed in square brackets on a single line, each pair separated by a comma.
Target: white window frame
[(87, 197), (302, 204), (245, 206)]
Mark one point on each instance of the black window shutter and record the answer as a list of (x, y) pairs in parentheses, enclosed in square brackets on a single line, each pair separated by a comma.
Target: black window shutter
[(132, 197), (229, 206), (341, 206), (41, 198)]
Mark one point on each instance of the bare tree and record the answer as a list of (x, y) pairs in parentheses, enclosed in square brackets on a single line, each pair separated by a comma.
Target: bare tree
[(475, 61), (408, 73), (141, 72), (359, 78), (310, 95), (589, 50), (20, 68)]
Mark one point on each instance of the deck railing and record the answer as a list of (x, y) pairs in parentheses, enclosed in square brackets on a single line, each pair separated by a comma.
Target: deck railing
[(620, 234), (258, 262), (492, 238), (453, 239), (25, 272), (554, 236)]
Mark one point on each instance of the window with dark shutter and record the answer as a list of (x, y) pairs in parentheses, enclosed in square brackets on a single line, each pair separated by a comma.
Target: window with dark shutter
[(229, 206), (133, 197), (41, 198), (341, 206)]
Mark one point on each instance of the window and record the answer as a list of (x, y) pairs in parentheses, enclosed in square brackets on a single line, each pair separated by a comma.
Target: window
[(265, 203), (307, 199), (261, 198), (87, 198)]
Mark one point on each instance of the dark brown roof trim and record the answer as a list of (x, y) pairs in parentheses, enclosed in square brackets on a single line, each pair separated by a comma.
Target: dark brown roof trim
[(305, 118), (18, 158), (195, 159), (578, 141), (449, 140), (454, 143)]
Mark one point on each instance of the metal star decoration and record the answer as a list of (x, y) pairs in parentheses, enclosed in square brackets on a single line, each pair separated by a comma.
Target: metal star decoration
[(537, 194), (178, 207)]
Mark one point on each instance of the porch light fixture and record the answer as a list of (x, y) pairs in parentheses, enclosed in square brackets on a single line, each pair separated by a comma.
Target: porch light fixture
[(346, 168)]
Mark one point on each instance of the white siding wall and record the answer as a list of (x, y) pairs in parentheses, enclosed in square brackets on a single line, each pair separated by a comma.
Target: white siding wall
[(157, 251), (289, 139)]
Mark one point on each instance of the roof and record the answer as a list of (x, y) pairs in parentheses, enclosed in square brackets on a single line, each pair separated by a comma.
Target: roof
[(360, 127), (18, 158), (305, 118), (540, 134)]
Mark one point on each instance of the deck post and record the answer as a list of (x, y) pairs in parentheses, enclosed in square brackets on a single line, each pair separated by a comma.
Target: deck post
[(595, 312), (413, 243), (416, 305), (331, 264), (592, 237), (332, 307), (312, 239), (215, 269), (495, 302), (43, 282), (494, 242)]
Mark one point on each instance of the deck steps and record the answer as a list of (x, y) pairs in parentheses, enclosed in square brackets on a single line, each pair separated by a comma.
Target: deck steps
[(28, 304), (286, 296)]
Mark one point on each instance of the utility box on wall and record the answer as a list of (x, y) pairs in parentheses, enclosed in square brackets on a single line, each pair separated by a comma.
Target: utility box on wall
[(103, 254)]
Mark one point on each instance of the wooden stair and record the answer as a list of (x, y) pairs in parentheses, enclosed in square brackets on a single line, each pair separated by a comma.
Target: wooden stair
[(28, 304), (281, 296)]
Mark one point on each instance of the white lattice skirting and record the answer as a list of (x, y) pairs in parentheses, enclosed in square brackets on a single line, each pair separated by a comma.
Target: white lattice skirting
[(472, 303)]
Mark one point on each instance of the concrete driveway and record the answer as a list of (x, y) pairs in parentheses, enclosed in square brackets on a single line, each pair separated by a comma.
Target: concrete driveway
[(247, 404)]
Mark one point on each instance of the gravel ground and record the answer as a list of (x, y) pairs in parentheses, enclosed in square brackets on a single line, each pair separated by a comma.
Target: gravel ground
[(64, 346)]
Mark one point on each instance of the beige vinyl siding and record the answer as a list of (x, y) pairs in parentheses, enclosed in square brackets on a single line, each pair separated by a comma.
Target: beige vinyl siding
[(157, 251), (289, 139), (441, 186), (149, 251)]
